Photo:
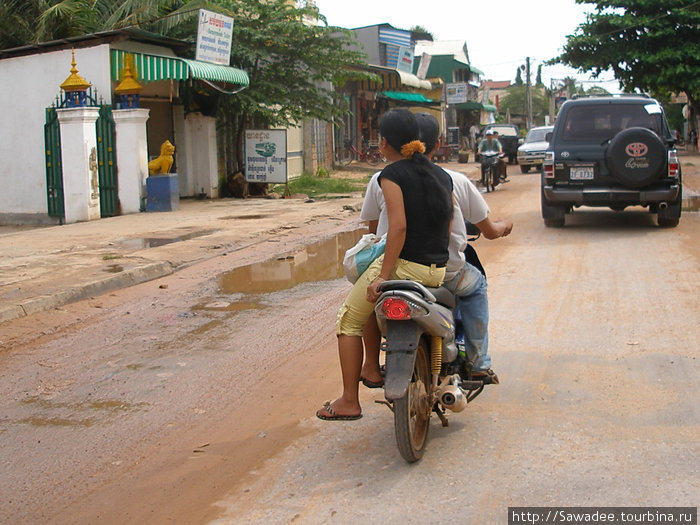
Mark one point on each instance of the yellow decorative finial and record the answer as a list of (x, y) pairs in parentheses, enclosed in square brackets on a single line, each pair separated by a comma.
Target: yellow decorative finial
[(74, 82), (128, 85)]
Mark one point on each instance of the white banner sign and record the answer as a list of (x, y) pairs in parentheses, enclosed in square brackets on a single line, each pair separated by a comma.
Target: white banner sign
[(456, 93), (266, 155), (214, 36), (405, 62)]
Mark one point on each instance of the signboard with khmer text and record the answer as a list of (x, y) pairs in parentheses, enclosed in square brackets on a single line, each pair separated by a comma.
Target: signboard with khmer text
[(456, 93), (266, 155), (214, 35)]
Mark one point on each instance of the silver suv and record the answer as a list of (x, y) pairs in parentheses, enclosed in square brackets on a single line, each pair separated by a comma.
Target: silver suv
[(613, 151), (531, 152)]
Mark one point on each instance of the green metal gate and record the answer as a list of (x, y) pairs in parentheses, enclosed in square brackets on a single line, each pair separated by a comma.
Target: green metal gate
[(106, 160), (106, 163), (54, 170)]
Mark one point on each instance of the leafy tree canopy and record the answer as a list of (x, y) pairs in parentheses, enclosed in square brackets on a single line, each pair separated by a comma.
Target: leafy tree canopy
[(650, 45), (515, 102)]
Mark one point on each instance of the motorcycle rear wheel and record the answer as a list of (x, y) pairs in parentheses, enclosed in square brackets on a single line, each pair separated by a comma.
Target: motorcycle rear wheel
[(412, 411)]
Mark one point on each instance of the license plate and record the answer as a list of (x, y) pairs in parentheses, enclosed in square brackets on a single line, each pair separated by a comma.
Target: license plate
[(581, 173)]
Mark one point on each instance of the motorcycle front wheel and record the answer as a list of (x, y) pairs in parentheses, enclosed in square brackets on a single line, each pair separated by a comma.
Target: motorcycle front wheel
[(490, 179), (412, 411)]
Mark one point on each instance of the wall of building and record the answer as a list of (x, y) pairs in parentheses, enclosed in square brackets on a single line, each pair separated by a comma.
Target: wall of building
[(368, 38), (30, 84)]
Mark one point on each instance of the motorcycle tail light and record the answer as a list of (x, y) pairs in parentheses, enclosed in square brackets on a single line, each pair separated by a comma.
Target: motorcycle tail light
[(396, 309), (548, 165), (673, 165)]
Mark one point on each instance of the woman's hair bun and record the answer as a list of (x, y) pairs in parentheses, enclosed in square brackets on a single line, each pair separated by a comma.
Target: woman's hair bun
[(415, 146)]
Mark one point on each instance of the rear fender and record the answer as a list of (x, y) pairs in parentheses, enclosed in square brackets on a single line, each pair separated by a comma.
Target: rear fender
[(402, 339)]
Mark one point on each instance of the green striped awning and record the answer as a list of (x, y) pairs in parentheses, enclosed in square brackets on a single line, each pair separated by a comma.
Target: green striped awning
[(408, 97), (150, 68)]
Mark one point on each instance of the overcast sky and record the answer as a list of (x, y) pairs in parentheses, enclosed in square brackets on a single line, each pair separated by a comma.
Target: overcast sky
[(499, 34)]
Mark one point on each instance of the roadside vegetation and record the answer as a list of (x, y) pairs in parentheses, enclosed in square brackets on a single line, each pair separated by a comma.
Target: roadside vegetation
[(320, 187)]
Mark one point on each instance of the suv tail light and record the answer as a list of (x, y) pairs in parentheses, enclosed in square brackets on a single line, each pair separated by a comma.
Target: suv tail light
[(673, 165), (548, 165)]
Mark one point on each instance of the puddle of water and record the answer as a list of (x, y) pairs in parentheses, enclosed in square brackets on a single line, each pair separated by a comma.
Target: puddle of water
[(109, 406), (56, 422), (141, 243), (244, 217), (317, 262)]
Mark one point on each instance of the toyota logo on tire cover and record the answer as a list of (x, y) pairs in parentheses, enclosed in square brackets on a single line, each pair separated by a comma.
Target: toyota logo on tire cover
[(636, 149)]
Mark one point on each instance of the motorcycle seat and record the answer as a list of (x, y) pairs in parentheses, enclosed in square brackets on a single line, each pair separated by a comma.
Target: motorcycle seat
[(443, 296)]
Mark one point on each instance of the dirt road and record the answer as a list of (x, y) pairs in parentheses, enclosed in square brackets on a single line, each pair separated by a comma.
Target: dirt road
[(183, 401)]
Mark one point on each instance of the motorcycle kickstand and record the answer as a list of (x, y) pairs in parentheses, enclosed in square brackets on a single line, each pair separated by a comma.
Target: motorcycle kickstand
[(441, 415)]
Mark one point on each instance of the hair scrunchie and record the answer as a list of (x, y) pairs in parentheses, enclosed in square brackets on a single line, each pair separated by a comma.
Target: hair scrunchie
[(415, 146)]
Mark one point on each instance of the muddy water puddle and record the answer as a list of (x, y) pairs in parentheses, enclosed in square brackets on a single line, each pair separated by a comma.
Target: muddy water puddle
[(319, 261), (50, 413)]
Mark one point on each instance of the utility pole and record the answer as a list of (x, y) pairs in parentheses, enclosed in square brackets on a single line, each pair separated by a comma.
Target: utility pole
[(528, 94)]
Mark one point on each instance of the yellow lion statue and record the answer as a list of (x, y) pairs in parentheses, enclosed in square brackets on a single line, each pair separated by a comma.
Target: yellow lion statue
[(164, 162)]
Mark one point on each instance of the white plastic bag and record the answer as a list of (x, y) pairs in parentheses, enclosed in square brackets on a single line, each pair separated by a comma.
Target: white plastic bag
[(360, 256)]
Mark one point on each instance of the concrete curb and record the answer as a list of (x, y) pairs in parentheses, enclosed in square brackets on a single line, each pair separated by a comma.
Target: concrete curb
[(124, 279)]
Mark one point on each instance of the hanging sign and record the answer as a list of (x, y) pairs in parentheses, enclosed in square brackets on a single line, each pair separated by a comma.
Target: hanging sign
[(266, 155), (214, 35), (456, 93), (405, 61)]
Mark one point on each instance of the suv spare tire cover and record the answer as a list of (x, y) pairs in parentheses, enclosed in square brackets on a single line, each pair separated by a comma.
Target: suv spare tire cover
[(636, 157)]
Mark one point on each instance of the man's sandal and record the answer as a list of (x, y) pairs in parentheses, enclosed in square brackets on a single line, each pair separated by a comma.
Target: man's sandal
[(333, 416)]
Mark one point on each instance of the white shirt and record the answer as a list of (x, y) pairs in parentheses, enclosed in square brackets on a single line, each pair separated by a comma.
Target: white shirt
[(469, 204)]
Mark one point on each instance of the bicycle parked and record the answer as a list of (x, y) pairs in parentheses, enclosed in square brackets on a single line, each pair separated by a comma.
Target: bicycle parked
[(369, 154)]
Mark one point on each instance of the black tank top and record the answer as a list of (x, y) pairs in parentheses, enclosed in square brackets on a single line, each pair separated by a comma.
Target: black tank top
[(426, 241)]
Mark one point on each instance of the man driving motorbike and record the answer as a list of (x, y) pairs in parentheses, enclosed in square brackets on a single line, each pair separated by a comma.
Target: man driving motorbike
[(489, 144), (462, 278)]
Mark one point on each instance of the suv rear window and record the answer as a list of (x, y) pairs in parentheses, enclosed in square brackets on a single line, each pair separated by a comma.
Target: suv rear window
[(599, 123)]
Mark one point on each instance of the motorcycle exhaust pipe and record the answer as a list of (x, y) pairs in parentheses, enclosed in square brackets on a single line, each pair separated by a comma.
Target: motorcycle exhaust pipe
[(452, 397), (663, 205)]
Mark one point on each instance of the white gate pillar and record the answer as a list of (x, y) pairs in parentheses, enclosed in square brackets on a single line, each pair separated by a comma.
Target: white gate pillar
[(79, 160), (132, 157)]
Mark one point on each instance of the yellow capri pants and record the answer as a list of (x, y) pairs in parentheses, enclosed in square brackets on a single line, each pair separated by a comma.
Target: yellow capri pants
[(355, 311)]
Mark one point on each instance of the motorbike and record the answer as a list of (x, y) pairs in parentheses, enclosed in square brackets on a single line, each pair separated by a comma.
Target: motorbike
[(490, 177), (426, 366)]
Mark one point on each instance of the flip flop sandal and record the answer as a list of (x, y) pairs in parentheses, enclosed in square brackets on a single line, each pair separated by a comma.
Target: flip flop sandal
[(333, 416)]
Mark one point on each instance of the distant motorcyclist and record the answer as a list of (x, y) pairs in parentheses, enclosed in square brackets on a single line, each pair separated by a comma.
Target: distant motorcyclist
[(489, 144)]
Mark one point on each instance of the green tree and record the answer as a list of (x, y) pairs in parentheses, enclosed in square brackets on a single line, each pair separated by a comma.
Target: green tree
[(515, 102), (538, 79), (28, 22), (293, 66), (518, 77), (650, 45)]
